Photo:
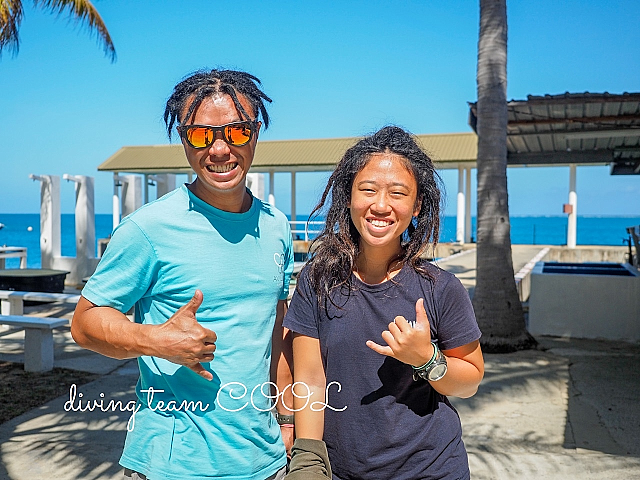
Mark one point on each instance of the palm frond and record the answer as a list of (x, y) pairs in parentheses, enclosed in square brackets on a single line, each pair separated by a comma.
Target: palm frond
[(83, 11), (10, 18)]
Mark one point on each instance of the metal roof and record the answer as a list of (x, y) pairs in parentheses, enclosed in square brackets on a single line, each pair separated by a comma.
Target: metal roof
[(448, 150), (580, 128)]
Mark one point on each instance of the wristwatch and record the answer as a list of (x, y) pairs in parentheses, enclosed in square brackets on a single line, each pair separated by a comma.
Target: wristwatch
[(283, 419), (434, 369)]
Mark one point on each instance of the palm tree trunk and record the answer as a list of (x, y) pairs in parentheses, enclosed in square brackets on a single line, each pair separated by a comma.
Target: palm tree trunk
[(495, 299)]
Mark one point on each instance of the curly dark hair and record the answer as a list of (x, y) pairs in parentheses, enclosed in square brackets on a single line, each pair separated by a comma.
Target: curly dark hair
[(334, 251), (206, 83)]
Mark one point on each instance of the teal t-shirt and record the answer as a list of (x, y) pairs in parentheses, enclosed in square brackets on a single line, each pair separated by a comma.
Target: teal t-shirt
[(187, 427)]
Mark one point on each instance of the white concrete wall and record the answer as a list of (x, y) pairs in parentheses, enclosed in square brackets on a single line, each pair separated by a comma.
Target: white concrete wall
[(255, 183), (50, 219), (584, 306), (131, 193), (165, 183)]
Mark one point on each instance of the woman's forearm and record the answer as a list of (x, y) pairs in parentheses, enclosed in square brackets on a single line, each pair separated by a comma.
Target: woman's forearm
[(465, 370), (309, 415), (309, 387)]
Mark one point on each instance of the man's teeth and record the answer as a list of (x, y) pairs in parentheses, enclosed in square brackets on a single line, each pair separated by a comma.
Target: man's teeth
[(227, 167), (380, 223)]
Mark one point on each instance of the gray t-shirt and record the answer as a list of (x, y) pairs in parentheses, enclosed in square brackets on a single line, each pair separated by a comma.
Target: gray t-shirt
[(393, 426)]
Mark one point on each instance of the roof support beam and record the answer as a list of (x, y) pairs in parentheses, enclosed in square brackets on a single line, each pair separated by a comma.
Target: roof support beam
[(595, 120), (556, 158), (575, 99), (602, 133)]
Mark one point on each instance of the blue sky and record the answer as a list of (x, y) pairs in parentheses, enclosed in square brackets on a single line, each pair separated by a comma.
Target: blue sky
[(333, 69)]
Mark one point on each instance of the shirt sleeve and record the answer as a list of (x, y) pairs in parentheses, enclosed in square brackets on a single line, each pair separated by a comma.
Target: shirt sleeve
[(302, 315), (456, 323), (126, 270)]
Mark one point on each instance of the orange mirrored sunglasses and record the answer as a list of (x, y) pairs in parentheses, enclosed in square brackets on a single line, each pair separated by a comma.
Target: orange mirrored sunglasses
[(236, 134)]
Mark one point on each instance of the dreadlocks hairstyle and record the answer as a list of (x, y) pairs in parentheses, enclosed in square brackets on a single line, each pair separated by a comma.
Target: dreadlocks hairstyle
[(335, 249), (203, 84)]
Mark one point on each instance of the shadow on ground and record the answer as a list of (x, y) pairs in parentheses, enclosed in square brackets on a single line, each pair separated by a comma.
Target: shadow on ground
[(566, 410), (51, 442)]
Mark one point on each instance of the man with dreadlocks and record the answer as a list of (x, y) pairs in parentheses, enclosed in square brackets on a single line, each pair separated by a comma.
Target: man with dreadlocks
[(207, 269)]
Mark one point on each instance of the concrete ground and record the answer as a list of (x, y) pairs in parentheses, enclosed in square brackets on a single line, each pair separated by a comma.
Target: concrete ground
[(463, 264), (568, 410)]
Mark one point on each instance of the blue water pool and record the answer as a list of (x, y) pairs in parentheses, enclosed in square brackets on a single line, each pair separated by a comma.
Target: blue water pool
[(602, 268)]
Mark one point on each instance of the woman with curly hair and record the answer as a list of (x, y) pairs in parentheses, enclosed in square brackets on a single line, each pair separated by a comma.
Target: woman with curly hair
[(381, 337)]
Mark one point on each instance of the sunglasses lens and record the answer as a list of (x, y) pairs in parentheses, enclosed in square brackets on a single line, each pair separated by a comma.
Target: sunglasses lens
[(237, 134), (200, 137)]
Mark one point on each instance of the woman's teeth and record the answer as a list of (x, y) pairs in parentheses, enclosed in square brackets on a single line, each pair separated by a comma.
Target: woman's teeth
[(380, 223)]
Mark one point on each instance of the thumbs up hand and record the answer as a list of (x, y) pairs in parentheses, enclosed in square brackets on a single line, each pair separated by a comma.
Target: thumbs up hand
[(410, 345), (182, 340)]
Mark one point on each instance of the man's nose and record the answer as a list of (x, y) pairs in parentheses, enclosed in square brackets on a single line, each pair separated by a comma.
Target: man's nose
[(219, 147)]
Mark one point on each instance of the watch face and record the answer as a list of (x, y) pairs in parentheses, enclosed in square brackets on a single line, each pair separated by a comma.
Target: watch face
[(437, 372)]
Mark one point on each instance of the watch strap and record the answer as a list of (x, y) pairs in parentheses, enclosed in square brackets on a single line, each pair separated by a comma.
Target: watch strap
[(420, 372), (283, 419)]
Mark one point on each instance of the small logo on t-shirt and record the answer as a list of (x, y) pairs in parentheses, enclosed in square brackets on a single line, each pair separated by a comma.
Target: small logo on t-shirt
[(278, 259)]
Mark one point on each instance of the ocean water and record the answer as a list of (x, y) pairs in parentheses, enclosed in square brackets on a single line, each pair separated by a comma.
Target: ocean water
[(23, 230)]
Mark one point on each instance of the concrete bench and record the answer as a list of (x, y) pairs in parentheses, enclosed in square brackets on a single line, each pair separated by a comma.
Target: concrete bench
[(12, 302), (38, 339)]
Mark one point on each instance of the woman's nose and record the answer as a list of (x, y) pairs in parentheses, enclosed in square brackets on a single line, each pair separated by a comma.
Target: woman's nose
[(382, 203)]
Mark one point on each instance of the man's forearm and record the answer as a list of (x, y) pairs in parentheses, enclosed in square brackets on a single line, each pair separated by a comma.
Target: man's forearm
[(284, 378), (281, 362), (107, 331), (181, 339)]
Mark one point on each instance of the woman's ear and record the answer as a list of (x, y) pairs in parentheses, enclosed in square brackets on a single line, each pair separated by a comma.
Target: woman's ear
[(418, 207)]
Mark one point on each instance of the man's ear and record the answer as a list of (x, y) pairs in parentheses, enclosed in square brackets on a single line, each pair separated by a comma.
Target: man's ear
[(258, 126)]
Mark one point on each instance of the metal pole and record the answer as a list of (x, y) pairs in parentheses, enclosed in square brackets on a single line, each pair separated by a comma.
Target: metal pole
[(116, 200), (460, 210), (272, 196), (293, 201), (467, 206), (573, 215)]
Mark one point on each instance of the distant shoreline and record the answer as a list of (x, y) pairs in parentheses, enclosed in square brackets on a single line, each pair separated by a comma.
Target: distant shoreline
[(23, 230)]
